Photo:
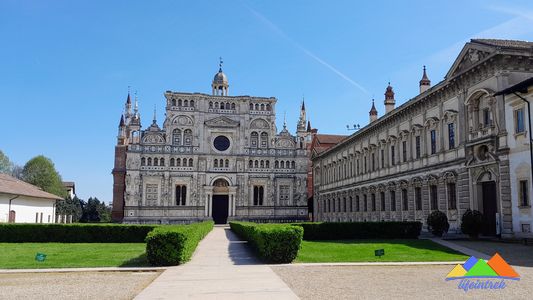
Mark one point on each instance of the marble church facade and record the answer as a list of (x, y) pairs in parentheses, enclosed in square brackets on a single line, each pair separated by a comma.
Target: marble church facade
[(215, 157), (446, 149)]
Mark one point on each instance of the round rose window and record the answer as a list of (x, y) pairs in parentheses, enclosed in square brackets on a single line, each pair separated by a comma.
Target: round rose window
[(221, 143)]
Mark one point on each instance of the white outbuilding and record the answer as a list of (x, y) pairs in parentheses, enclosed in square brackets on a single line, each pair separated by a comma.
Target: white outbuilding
[(21, 202)]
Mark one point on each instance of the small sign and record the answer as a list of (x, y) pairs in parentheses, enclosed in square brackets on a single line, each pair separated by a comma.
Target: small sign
[(379, 252), (40, 257)]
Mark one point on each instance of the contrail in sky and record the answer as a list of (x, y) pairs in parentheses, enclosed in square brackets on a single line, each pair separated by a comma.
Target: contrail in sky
[(280, 32)]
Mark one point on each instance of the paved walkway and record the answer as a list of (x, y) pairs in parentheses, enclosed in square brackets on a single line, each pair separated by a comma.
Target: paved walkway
[(221, 268)]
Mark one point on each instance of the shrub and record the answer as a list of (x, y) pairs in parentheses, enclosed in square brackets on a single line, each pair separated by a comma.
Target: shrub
[(274, 243), (438, 223), (74, 233), (174, 245), (360, 230), (472, 223)]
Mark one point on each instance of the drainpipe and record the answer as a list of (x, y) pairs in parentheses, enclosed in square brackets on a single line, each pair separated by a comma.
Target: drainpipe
[(530, 132), (9, 209)]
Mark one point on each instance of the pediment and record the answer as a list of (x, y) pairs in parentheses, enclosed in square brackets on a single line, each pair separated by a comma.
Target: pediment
[(472, 54), (285, 142), (222, 121)]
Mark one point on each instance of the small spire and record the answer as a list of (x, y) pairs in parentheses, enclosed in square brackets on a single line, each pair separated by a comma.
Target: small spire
[(284, 120), (121, 124), (308, 126), (155, 110), (425, 80), (220, 64), (373, 110), (303, 103)]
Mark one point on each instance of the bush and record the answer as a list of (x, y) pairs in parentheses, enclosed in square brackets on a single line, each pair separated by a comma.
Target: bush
[(73, 233), (174, 245), (274, 243), (438, 223), (472, 223), (360, 230)]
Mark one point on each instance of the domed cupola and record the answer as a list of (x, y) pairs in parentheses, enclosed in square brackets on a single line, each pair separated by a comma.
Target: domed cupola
[(220, 83)]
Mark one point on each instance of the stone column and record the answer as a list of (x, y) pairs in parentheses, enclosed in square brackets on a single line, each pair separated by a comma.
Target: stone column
[(232, 199), (208, 196)]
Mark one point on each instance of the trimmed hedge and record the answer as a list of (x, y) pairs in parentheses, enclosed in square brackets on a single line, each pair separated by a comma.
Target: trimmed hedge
[(360, 230), (174, 245), (73, 233), (275, 243)]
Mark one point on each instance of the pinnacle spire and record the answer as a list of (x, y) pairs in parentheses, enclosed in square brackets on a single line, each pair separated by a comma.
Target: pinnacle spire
[(121, 124), (303, 104), (308, 126), (155, 114)]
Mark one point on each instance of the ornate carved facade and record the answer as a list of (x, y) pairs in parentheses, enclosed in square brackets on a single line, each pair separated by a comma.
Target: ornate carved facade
[(216, 157), (446, 149)]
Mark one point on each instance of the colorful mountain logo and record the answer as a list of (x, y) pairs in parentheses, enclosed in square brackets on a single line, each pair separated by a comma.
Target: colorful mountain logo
[(496, 267)]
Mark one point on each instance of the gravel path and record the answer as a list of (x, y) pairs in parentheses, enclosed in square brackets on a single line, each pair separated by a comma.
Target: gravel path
[(83, 285), (392, 282)]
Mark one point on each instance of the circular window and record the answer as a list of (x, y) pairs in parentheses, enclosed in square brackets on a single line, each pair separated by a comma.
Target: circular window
[(221, 143)]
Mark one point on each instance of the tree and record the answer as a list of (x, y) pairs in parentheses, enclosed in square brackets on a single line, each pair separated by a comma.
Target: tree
[(5, 164), (40, 171), (70, 206), (95, 211)]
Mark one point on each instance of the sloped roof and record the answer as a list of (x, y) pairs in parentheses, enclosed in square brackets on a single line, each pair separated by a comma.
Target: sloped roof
[(11, 185), (505, 43), (330, 138)]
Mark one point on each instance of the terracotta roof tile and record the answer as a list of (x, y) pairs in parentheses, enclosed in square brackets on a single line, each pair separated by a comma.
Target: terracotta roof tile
[(11, 185)]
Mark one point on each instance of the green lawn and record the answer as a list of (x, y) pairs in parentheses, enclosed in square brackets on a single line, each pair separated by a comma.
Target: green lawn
[(71, 255), (363, 251)]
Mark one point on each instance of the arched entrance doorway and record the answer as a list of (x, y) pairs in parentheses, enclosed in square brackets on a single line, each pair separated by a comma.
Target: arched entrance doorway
[(488, 202), (220, 201)]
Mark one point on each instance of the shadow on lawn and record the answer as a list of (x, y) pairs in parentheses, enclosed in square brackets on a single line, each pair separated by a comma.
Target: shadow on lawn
[(419, 244), (139, 261)]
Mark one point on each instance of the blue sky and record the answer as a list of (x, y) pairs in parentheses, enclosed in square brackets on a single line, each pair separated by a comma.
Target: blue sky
[(65, 66)]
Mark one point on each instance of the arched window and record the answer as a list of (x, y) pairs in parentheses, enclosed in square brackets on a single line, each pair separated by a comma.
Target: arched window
[(268, 164), (173, 102), (143, 161), (162, 162), (250, 164), (262, 106), (251, 106), (216, 105), (179, 102), (186, 103), (176, 137), (256, 164), (288, 164), (268, 107), (191, 103), (181, 194), (215, 163), (254, 139), (276, 164), (210, 104), (262, 164), (282, 165), (233, 106), (256, 106), (226, 163), (190, 162), (222, 105), (293, 165), (227, 105), (261, 195), (264, 140), (171, 162), (156, 162), (149, 161), (178, 162), (187, 137)]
